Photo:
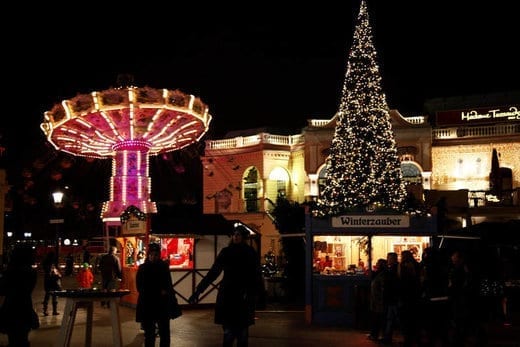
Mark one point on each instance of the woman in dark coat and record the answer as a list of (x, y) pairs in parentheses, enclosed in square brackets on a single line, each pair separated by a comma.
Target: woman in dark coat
[(154, 284), (17, 316), (238, 290)]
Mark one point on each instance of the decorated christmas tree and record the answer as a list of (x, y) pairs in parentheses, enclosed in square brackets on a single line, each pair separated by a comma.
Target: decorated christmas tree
[(363, 170)]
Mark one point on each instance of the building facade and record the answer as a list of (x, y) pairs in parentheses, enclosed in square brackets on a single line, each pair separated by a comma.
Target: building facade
[(446, 153)]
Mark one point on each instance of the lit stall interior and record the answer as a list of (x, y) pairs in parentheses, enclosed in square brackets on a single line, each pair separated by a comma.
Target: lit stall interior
[(177, 251), (338, 255)]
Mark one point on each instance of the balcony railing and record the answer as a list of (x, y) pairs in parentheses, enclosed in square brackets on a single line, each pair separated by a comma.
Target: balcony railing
[(475, 131), (438, 134), (487, 198), (261, 138)]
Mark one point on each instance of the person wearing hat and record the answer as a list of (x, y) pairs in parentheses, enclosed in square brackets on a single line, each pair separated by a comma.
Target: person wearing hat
[(238, 290), (155, 288), (85, 277)]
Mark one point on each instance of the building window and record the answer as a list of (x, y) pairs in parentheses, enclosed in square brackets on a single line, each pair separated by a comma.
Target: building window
[(411, 173), (278, 183), (251, 189), (321, 179)]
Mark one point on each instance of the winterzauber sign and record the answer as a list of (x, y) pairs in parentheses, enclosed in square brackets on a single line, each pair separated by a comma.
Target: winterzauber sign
[(371, 221)]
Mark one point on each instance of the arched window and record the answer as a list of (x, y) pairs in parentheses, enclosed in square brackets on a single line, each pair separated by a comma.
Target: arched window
[(280, 177), (321, 179), (411, 172), (251, 189)]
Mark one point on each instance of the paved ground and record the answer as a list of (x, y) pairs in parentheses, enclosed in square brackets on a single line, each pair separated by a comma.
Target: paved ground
[(195, 328)]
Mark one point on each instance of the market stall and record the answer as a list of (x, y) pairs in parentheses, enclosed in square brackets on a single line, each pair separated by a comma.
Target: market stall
[(340, 254), (132, 241), (177, 250), (130, 247), (191, 245)]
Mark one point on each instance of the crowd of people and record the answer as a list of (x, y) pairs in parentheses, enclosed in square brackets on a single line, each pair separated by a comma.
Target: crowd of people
[(19, 278), (156, 303), (445, 299), (436, 301)]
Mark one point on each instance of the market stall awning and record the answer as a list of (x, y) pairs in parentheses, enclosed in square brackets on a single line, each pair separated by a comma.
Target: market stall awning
[(203, 224), (506, 233)]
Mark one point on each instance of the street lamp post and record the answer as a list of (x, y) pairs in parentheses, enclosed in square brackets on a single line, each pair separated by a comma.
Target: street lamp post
[(57, 197)]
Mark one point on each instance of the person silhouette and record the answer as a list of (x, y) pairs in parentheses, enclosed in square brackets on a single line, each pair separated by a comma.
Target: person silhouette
[(154, 284), (238, 291), (111, 273), (51, 284), (17, 316)]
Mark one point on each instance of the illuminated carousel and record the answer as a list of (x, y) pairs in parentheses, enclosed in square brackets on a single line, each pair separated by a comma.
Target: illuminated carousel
[(128, 125)]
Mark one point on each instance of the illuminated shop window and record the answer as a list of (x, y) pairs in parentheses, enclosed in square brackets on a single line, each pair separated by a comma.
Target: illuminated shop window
[(348, 254), (340, 254)]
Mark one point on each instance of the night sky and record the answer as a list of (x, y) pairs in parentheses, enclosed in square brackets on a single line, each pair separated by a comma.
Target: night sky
[(256, 64)]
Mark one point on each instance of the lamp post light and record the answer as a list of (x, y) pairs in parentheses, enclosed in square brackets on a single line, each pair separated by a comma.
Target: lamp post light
[(57, 197)]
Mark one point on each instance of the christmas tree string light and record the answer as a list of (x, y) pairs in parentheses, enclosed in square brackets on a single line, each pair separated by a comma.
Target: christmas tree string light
[(363, 170)]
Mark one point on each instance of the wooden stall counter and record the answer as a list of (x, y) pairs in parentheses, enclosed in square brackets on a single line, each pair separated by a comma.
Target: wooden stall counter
[(85, 299)]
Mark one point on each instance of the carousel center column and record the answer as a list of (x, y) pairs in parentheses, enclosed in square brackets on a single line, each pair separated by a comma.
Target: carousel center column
[(130, 190)]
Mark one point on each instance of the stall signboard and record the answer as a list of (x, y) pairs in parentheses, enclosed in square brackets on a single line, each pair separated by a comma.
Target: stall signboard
[(133, 227), (371, 221)]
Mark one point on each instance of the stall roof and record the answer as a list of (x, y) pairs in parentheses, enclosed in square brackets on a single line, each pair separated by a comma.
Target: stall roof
[(506, 233), (203, 224)]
